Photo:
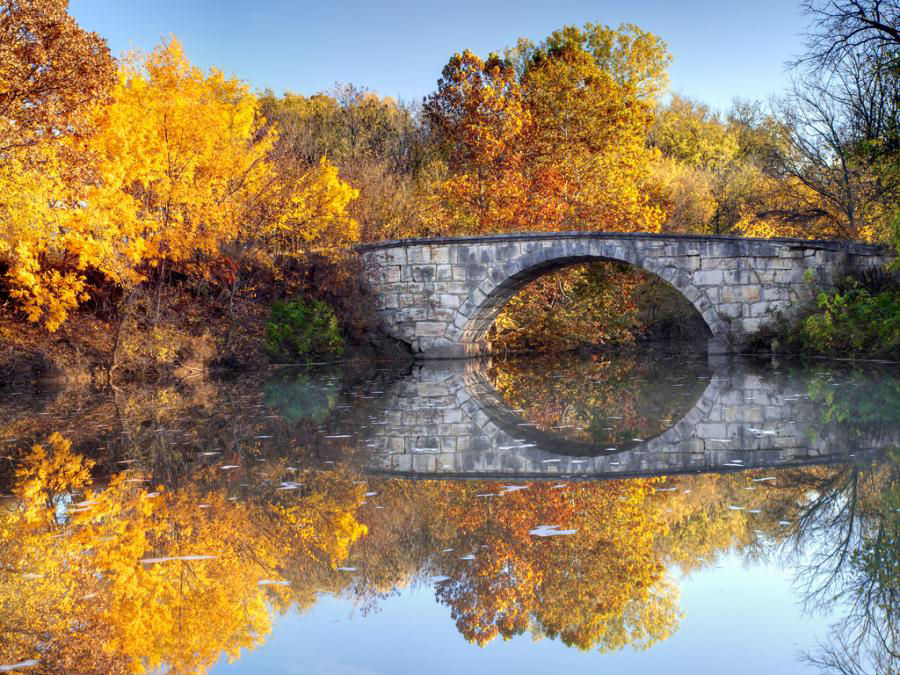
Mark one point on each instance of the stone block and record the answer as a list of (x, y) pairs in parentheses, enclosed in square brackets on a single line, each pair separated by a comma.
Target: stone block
[(486, 256), (742, 294), (424, 463), (758, 309), (418, 254), (775, 293), (730, 310), (712, 430), (739, 276), (691, 293), (751, 324), (791, 276), (452, 415), (387, 301), (708, 278), (411, 314), (773, 263), (423, 273), (390, 273), (440, 254), (401, 462), (441, 314)]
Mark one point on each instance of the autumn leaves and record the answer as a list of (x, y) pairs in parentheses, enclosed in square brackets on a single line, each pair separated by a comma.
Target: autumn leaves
[(129, 577), (549, 137), (120, 171), (116, 174)]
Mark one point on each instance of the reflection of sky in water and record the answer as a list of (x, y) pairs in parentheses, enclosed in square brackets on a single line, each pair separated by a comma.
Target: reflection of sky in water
[(738, 618), (306, 434)]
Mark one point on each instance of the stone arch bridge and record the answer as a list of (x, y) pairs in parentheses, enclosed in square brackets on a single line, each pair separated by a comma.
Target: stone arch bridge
[(441, 295), (446, 420)]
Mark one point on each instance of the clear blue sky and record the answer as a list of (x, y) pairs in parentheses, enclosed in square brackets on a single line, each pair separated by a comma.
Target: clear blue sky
[(721, 48)]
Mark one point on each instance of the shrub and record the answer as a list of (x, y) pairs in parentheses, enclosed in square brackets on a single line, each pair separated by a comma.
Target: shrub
[(302, 329), (853, 321)]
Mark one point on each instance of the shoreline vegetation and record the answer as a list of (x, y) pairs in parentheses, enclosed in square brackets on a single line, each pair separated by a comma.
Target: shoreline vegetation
[(857, 319), (159, 221)]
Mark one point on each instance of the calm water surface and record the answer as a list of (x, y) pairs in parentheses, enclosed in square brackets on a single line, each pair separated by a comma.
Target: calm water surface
[(639, 512)]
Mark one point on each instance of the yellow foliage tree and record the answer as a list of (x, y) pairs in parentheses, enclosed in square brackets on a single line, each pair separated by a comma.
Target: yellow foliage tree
[(124, 579), (51, 74), (179, 166)]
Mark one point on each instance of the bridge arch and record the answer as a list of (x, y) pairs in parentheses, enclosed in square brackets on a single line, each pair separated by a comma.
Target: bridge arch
[(441, 295), (474, 318), (503, 427), (446, 419)]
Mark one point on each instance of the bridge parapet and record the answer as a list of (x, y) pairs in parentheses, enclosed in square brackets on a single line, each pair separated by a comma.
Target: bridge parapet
[(442, 295)]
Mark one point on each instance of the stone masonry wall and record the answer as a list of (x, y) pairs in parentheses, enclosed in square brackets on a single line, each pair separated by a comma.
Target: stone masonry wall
[(447, 420), (441, 296)]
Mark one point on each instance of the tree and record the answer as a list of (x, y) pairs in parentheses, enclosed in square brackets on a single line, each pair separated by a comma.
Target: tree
[(479, 119), (376, 143), (180, 172), (549, 137), (52, 75), (841, 28), (841, 135), (712, 172)]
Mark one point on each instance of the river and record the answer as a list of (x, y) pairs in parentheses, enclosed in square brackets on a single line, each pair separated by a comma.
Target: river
[(634, 511)]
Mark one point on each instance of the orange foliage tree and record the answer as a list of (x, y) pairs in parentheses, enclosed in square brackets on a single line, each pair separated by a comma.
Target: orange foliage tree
[(549, 137), (602, 586)]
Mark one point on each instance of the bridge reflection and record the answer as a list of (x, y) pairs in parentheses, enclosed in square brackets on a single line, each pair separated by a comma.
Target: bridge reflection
[(448, 419)]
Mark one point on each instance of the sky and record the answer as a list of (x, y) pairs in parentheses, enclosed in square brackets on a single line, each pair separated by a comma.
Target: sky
[(721, 49), (738, 618)]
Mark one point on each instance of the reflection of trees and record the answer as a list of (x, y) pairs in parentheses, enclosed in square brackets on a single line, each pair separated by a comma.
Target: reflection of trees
[(845, 543), (856, 404), (126, 577), (604, 401), (845, 536), (602, 587), (167, 427), (73, 593)]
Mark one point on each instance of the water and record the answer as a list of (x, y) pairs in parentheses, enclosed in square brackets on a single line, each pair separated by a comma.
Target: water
[(636, 512)]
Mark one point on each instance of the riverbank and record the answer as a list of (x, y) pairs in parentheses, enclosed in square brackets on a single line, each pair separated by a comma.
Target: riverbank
[(858, 319), (85, 349), (197, 334), (193, 336)]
